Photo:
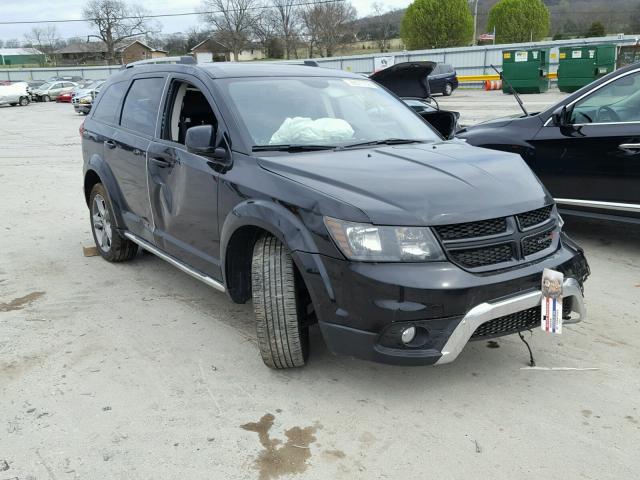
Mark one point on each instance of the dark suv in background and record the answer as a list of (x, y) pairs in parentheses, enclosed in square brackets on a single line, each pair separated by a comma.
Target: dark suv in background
[(443, 79), (325, 199)]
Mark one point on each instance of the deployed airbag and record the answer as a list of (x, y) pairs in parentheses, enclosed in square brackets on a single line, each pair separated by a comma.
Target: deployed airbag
[(307, 131)]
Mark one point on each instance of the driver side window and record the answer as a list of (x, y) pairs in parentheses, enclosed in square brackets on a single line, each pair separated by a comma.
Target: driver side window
[(616, 102), (188, 107)]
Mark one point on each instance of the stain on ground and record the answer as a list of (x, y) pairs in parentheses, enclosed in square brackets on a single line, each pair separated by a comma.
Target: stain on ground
[(333, 454), (493, 344), (20, 302), (279, 459)]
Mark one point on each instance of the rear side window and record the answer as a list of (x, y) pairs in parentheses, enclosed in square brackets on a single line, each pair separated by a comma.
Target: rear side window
[(109, 102), (140, 109)]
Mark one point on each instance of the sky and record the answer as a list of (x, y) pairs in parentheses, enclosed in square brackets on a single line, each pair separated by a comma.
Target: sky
[(26, 10)]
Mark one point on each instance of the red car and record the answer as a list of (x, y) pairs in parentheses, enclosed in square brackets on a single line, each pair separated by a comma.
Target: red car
[(65, 97)]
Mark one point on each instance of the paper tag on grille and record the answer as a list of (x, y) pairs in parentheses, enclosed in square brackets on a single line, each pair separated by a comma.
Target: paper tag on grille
[(551, 320)]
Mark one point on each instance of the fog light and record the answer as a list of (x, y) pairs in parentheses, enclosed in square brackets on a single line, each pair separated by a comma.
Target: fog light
[(408, 334)]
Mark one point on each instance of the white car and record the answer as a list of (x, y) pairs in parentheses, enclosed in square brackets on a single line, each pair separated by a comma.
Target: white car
[(15, 94), (49, 91)]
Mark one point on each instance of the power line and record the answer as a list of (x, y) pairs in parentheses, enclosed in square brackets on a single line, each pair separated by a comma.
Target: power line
[(184, 14)]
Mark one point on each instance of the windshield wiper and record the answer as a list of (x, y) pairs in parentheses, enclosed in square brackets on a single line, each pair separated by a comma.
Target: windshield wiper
[(291, 148), (386, 141)]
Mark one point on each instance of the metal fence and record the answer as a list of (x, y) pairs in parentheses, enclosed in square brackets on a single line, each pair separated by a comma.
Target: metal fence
[(466, 60)]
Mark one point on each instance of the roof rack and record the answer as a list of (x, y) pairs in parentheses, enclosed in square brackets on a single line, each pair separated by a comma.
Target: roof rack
[(185, 60)]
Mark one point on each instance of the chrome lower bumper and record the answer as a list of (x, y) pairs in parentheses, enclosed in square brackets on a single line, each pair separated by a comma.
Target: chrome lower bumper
[(491, 310)]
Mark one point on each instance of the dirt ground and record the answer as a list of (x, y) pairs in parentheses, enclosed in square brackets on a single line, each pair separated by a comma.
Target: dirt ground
[(138, 371)]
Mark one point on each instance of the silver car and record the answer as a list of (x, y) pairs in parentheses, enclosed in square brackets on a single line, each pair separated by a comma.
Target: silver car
[(49, 91)]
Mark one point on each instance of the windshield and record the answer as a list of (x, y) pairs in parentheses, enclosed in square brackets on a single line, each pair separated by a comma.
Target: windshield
[(46, 85), (321, 111)]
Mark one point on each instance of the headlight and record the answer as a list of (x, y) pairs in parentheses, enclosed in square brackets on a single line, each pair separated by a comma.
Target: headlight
[(85, 99), (371, 243)]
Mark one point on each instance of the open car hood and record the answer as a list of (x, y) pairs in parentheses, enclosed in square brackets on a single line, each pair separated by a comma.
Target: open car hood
[(407, 79)]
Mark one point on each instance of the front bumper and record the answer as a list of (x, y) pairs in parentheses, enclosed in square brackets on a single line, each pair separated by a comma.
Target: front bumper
[(82, 107), (362, 308)]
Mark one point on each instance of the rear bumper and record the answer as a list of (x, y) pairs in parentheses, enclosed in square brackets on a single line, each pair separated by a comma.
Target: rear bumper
[(363, 308)]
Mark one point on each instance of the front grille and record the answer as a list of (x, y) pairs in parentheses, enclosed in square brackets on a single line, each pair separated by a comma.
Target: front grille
[(534, 217), (479, 257), (516, 322), (500, 242), (483, 228), (537, 243)]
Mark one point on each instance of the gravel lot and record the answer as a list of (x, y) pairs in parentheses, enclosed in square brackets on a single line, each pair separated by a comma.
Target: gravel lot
[(138, 371)]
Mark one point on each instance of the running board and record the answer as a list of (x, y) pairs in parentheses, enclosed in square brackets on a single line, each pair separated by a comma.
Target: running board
[(176, 263)]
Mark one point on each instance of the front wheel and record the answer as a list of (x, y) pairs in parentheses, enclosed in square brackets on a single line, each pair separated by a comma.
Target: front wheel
[(24, 101), (112, 246), (283, 338), (46, 98)]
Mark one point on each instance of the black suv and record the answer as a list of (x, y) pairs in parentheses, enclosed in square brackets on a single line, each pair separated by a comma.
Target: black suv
[(443, 79), (323, 197)]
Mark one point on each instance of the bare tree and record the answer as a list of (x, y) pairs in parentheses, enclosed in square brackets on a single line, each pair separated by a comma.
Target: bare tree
[(1, 43), (233, 22), (46, 39), (12, 43), (115, 22), (265, 30), (384, 29), (329, 25), (287, 16)]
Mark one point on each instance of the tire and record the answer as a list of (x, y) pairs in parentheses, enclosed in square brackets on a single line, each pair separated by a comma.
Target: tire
[(448, 90), (283, 338), (111, 245), (46, 98), (24, 101)]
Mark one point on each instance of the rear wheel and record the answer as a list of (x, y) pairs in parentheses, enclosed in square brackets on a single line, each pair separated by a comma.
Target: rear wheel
[(448, 90), (112, 246), (283, 338)]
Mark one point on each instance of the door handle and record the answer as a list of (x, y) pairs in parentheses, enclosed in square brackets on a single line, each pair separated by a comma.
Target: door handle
[(161, 162), (630, 147), (110, 144)]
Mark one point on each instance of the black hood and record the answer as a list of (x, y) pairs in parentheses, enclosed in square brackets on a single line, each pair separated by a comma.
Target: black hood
[(407, 79), (423, 184)]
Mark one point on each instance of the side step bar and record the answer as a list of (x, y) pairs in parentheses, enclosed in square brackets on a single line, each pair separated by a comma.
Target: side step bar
[(176, 263)]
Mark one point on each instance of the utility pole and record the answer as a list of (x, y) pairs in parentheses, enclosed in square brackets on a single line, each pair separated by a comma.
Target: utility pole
[(475, 23)]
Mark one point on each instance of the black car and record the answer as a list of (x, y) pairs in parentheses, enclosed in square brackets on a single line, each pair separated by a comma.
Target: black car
[(409, 81), (443, 79), (325, 199), (585, 149)]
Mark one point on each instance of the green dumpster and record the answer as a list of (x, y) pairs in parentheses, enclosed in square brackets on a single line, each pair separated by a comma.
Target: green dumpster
[(526, 70), (579, 66)]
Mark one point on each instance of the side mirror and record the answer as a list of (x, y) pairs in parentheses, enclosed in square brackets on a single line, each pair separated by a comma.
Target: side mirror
[(443, 121), (560, 117), (199, 140)]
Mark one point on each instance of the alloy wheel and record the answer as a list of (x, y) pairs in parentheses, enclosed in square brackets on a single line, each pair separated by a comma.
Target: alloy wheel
[(101, 221)]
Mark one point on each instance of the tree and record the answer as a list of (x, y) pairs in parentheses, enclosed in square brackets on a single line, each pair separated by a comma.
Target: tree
[(233, 22), (12, 43), (517, 21), (46, 39), (265, 31), (287, 19), (596, 30), (115, 22), (437, 24), (329, 25), (383, 29)]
